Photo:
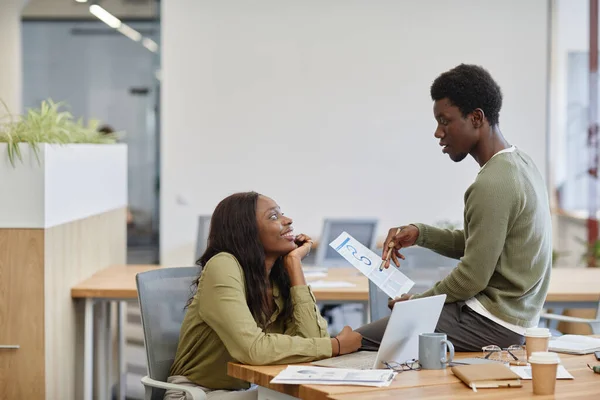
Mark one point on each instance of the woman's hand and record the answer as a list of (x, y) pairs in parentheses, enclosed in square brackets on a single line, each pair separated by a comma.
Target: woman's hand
[(292, 261), (304, 243), (348, 341)]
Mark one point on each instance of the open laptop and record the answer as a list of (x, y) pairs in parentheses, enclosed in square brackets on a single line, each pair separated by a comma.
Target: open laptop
[(400, 341)]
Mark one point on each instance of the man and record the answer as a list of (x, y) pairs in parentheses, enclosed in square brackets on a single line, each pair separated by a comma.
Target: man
[(498, 288)]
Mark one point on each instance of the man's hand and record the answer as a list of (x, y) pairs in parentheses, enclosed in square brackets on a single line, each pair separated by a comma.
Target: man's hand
[(407, 237), (404, 297)]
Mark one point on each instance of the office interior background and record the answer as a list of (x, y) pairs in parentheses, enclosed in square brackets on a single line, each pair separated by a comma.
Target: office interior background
[(322, 105)]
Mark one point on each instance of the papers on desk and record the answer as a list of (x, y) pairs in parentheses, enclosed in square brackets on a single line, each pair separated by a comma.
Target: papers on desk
[(574, 344), (330, 284), (524, 372), (391, 281), (314, 274), (311, 375)]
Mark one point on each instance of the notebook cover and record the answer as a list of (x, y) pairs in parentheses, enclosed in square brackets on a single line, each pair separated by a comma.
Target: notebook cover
[(496, 372)]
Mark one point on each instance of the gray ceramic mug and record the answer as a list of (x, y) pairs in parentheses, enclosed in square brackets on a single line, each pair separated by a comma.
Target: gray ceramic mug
[(432, 350)]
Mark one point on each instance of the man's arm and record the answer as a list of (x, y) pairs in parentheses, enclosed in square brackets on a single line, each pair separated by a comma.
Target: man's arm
[(490, 211), (447, 242)]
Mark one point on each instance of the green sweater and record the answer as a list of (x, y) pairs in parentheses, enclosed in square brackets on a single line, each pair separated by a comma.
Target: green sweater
[(218, 328), (505, 249)]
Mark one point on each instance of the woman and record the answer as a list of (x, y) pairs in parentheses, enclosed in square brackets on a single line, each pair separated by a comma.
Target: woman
[(252, 304)]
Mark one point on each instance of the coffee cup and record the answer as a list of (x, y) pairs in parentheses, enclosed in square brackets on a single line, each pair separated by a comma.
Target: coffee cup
[(432, 350), (543, 371), (537, 339)]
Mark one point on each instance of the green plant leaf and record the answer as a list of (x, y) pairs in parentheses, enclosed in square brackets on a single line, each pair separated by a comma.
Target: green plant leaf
[(47, 124)]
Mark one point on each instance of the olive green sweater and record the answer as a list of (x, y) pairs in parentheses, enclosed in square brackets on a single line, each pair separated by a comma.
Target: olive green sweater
[(505, 249), (218, 328)]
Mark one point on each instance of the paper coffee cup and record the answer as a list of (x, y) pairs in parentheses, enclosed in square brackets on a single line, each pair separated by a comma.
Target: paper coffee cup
[(543, 371), (537, 339)]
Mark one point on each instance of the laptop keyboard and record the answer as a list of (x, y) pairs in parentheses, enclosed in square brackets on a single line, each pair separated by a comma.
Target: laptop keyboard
[(359, 360)]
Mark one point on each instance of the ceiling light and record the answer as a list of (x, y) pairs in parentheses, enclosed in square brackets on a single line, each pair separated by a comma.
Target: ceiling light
[(130, 32), (150, 45), (105, 16)]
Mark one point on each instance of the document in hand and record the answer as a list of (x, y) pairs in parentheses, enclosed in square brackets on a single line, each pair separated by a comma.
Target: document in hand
[(574, 344), (479, 376), (311, 375), (391, 281)]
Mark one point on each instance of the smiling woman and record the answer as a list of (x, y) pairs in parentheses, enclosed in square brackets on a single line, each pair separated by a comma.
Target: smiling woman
[(252, 304)]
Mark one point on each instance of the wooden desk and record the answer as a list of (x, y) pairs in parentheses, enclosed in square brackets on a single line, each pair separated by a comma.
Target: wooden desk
[(574, 288), (430, 384), (118, 282)]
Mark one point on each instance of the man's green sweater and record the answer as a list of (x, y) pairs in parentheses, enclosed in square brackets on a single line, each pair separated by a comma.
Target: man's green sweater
[(505, 249)]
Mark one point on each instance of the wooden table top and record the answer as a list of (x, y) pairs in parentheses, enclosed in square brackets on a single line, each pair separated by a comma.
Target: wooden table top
[(574, 284), (426, 384), (118, 281)]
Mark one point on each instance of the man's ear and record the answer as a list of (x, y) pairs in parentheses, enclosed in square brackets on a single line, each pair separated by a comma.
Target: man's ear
[(477, 118)]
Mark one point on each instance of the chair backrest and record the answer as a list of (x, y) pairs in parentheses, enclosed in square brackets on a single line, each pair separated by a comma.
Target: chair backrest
[(422, 266), (163, 294), (202, 236), (363, 230)]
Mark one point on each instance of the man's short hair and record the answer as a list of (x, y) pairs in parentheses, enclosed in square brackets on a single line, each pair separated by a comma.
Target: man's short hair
[(469, 87)]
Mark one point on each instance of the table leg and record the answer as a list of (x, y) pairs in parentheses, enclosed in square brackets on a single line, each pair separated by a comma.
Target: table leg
[(109, 348), (102, 345), (88, 352), (121, 315)]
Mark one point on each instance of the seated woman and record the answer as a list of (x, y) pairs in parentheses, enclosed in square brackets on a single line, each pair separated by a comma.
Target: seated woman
[(252, 304)]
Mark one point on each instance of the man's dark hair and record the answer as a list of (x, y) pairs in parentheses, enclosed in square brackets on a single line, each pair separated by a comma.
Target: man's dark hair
[(469, 87)]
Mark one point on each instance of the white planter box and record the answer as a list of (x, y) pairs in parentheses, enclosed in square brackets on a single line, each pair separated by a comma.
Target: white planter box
[(68, 183)]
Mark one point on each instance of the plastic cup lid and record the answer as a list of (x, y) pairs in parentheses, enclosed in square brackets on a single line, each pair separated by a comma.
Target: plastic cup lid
[(538, 332), (544, 357)]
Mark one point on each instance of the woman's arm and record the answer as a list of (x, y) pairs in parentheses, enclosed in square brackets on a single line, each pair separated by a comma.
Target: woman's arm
[(223, 307)]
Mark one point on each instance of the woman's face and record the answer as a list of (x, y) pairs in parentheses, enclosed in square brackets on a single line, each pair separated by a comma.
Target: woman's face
[(275, 230)]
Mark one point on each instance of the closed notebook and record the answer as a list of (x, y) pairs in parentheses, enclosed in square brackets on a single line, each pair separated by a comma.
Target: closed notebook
[(481, 376)]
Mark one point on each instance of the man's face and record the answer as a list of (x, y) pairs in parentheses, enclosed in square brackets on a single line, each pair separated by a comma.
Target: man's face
[(456, 133)]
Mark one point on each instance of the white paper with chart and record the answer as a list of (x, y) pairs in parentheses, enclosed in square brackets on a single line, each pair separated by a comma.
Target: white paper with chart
[(391, 281)]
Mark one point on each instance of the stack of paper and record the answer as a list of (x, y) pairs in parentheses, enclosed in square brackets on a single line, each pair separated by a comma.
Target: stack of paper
[(308, 374), (574, 344)]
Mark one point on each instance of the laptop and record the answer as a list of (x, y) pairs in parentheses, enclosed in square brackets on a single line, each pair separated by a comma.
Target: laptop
[(400, 341)]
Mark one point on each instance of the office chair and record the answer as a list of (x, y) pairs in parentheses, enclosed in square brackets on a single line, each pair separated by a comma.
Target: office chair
[(163, 294), (594, 324), (202, 235)]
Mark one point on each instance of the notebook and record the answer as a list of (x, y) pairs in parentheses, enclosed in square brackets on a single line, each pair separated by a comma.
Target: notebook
[(481, 376), (574, 344)]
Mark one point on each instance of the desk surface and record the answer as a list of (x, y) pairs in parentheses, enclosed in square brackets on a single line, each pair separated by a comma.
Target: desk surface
[(118, 281), (430, 384), (574, 284)]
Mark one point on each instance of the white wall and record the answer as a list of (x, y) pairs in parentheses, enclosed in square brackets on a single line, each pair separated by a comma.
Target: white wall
[(325, 106)]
